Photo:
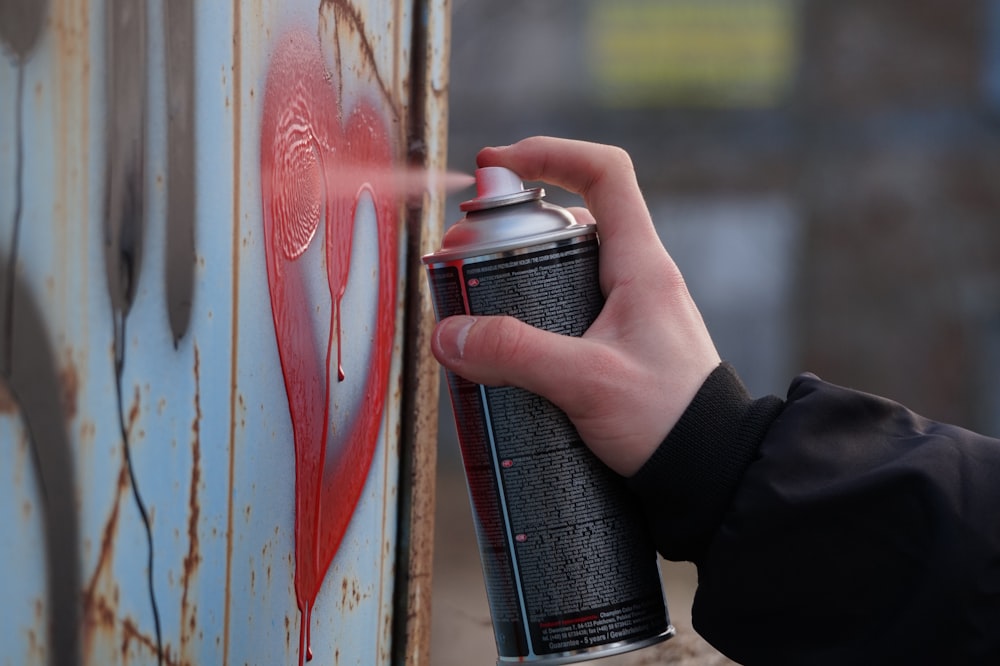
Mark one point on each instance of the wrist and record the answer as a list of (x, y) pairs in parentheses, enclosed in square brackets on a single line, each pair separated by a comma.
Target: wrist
[(689, 480)]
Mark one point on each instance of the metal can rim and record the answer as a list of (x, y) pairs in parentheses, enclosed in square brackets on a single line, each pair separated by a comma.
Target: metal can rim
[(518, 243), (591, 652), (502, 200)]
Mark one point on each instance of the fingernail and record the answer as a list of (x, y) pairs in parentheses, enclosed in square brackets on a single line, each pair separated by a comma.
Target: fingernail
[(452, 334)]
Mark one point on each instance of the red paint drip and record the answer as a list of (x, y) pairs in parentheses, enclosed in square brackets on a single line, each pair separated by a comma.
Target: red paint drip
[(301, 186)]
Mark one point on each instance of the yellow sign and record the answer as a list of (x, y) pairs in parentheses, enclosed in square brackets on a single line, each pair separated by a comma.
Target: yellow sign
[(716, 53)]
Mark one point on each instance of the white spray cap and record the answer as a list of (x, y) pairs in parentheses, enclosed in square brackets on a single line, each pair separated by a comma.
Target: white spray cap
[(499, 186), (496, 223), (497, 182)]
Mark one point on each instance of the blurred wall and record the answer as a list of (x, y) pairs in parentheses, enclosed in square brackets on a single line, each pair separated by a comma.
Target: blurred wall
[(825, 173)]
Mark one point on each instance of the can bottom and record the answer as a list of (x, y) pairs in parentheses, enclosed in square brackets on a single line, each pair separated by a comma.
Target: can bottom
[(595, 652)]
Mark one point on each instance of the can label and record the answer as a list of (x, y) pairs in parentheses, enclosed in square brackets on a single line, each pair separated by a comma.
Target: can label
[(567, 563)]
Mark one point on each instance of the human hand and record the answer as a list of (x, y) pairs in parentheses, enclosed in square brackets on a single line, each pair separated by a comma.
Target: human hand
[(627, 380)]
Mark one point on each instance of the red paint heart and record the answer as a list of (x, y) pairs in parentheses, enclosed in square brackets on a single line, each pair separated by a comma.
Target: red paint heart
[(308, 163)]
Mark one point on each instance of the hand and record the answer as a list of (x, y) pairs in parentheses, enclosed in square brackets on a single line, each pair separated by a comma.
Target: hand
[(627, 381)]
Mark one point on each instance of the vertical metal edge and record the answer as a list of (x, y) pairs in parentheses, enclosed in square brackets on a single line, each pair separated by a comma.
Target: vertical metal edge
[(236, 72), (427, 127)]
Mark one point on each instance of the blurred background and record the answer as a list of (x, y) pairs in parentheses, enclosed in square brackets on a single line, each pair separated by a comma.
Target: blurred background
[(825, 173)]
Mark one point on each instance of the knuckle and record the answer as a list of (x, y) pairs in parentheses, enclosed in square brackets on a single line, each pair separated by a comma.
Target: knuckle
[(501, 340), (619, 158), (615, 165)]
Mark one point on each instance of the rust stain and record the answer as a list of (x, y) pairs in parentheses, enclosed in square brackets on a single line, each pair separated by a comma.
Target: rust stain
[(101, 595), (426, 142), (69, 386), (189, 613), (350, 594), (234, 317), (385, 645), (88, 430), (36, 647), (70, 24), (98, 612), (401, 69), (131, 634), (349, 17), (8, 405), (134, 410), (385, 641)]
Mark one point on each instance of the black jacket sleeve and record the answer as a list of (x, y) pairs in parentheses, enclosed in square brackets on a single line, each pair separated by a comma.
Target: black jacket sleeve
[(835, 527)]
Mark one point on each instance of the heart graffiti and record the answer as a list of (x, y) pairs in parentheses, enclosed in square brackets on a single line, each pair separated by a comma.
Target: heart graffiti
[(312, 180)]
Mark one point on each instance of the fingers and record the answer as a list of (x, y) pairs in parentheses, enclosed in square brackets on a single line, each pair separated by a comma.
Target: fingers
[(605, 178), (500, 351), (582, 215), (603, 175), (596, 172)]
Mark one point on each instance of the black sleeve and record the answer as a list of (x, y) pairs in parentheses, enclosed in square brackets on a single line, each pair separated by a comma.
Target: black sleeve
[(835, 527)]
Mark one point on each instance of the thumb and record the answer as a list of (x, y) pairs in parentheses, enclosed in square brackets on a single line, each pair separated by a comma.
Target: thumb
[(500, 351)]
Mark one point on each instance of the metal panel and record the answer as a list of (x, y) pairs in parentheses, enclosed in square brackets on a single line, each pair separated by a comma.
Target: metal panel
[(204, 281)]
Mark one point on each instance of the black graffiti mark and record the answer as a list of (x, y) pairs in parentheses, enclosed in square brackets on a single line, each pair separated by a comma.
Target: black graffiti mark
[(30, 378), (125, 142), (124, 211), (8, 274), (178, 31), (28, 373), (143, 514), (20, 24), (33, 382)]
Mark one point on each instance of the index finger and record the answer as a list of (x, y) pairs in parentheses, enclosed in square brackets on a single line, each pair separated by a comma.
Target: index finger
[(603, 175)]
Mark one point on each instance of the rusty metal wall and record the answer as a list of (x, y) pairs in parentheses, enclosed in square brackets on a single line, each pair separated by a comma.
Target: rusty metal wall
[(216, 407)]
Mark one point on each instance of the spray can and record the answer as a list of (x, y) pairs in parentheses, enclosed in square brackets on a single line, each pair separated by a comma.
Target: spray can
[(570, 573)]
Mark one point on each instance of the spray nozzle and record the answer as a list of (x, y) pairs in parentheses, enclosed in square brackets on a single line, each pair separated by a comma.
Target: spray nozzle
[(496, 182), (499, 186)]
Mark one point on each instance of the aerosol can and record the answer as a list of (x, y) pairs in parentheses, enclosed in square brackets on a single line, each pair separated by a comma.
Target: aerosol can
[(570, 573)]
